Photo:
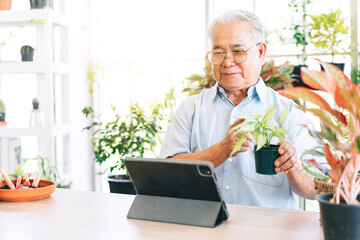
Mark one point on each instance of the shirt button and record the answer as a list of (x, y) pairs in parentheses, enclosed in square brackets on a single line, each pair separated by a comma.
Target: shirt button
[(227, 187), (230, 160)]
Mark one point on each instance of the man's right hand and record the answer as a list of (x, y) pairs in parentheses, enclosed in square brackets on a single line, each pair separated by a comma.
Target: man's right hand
[(230, 139)]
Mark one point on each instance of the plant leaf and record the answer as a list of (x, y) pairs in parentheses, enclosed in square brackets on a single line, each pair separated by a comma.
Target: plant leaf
[(238, 145), (283, 115), (260, 141), (269, 115), (313, 173), (357, 144)]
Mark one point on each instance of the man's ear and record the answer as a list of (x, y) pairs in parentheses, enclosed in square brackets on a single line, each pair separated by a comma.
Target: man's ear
[(262, 52)]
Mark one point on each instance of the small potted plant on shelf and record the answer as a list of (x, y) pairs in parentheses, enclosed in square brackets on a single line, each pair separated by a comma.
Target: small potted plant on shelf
[(27, 53), (127, 136), (328, 31), (35, 4), (5, 4), (266, 153), (339, 211), (2, 113)]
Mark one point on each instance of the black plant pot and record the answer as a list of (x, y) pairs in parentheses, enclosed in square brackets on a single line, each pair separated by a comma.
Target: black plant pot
[(27, 56), (340, 221), (265, 158), (2, 116), (341, 66), (296, 74), (38, 4), (121, 184)]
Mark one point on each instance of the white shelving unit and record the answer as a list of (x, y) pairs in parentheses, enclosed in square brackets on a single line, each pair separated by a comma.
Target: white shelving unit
[(52, 71)]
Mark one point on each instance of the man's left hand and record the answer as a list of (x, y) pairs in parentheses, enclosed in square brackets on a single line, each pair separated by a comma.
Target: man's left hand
[(287, 162)]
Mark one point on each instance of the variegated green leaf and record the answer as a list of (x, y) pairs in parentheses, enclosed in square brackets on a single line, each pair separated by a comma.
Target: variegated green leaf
[(313, 173), (269, 115), (283, 115), (260, 141), (238, 145), (246, 127)]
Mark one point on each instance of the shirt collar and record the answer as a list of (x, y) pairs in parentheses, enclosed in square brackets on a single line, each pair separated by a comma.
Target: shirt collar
[(259, 89)]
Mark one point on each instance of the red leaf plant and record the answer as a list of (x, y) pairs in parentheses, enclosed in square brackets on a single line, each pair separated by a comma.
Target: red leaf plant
[(340, 125)]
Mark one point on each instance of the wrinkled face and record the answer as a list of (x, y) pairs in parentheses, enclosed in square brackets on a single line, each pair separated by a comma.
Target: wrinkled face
[(235, 36)]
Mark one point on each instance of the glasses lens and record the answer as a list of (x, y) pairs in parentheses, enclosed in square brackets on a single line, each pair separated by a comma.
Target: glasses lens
[(215, 57), (239, 56)]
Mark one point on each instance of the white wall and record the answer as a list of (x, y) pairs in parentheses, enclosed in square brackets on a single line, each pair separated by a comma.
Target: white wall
[(81, 164)]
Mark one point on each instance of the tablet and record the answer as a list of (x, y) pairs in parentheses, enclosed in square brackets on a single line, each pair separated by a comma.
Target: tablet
[(184, 183)]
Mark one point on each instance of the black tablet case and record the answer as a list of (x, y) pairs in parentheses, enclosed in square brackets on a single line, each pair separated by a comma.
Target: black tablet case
[(176, 191)]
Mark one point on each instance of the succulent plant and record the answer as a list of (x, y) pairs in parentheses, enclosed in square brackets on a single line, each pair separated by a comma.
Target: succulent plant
[(27, 48), (2, 106), (35, 103)]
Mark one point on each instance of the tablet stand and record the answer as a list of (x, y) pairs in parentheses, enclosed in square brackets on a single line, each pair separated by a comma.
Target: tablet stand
[(177, 210)]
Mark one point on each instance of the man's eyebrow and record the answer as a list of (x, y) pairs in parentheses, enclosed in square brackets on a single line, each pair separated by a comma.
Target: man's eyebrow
[(233, 46)]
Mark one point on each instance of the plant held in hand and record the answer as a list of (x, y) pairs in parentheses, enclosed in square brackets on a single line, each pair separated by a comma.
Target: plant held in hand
[(261, 130)]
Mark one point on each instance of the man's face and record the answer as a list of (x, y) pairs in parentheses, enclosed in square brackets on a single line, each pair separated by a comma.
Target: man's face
[(237, 36)]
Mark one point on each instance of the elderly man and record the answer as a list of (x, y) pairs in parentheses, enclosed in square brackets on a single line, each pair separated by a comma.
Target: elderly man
[(201, 127)]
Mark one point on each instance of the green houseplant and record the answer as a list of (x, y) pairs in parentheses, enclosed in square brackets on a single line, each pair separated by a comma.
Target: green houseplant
[(341, 142), (276, 77), (266, 153), (328, 31), (132, 135), (300, 28), (2, 111), (27, 53)]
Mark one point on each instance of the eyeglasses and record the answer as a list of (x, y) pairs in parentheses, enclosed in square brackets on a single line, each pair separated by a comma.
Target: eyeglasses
[(238, 56)]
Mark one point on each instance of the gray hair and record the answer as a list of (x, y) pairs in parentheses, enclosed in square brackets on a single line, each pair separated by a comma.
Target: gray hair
[(238, 15)]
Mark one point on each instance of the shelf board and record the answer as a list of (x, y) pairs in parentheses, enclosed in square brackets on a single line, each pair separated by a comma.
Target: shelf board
[(9, 132), (32, 67), (14, 18), (12, 132)]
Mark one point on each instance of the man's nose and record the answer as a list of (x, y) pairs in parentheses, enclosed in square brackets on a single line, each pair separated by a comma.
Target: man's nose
[(228, 59)]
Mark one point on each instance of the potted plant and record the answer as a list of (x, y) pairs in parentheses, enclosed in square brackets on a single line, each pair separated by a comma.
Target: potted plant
[(340, 211), (27, 53), (276, 77), (265, 152), (328, 31), (5, 4), (2, 112), (127, 136)]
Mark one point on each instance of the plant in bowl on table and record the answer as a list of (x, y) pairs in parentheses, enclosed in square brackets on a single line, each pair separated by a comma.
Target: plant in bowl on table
[(266, 153), (340, 211), (19, 190)]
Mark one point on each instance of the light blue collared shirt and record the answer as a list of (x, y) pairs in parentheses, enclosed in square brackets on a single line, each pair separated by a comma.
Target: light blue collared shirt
[(203, 120)]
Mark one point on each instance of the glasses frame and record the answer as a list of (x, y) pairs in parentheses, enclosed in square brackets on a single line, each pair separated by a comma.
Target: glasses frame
[(226, 54)]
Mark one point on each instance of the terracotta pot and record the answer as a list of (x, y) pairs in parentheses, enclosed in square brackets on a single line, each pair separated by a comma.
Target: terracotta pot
[(5, 4), (45, 189)]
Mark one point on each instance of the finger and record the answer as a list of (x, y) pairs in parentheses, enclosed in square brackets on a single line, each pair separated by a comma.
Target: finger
[(288, 164), (249, 137), (284, 157), (238, 121), (284, 146)]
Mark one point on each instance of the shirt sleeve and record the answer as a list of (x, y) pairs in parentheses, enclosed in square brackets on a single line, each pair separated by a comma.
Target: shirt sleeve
[(178, 137)]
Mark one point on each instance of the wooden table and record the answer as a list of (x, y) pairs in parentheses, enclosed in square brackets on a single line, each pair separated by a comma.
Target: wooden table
[(70, 214)]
